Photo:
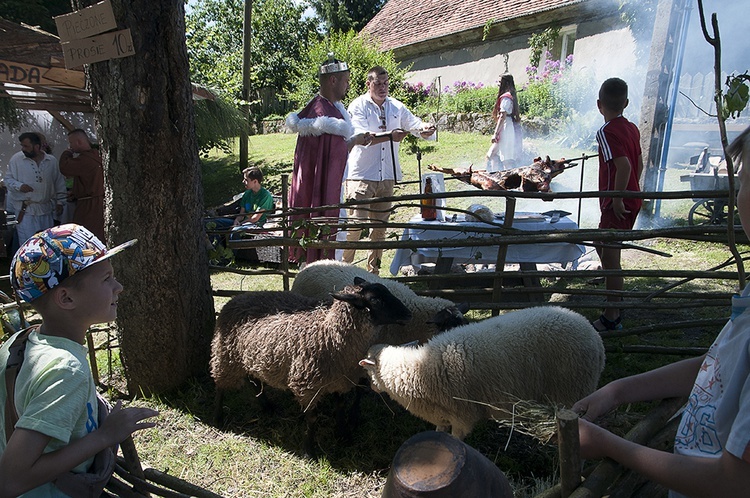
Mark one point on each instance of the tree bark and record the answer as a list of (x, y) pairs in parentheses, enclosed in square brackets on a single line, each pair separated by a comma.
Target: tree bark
[(144, 112)]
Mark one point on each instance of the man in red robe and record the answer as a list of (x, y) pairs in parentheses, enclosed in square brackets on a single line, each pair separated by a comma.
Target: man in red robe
[(325, 137), (84, 164)]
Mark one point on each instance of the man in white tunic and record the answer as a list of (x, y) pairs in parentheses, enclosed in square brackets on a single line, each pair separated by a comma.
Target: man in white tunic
[(371, 171), (36, 188)]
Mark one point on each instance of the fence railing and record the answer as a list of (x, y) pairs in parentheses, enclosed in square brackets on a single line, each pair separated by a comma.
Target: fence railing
[(491, 294)]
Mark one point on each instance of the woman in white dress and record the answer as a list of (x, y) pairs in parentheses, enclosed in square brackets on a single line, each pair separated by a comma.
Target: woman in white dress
[(505, 151)]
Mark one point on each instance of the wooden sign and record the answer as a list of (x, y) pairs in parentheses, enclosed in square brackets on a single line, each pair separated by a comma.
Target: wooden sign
[(98, 48), (26, 74), (86, 22)]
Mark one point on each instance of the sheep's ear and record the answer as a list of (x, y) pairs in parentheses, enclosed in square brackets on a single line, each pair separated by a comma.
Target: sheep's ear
[(355, 300), (463, 307), (410, 344), (360, 281), (366, 363)]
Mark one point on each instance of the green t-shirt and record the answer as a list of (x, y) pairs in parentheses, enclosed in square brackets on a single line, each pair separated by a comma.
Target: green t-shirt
[(55, 395), (252, 202)]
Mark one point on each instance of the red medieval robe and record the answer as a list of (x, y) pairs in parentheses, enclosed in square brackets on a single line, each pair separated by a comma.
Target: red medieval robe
[(88, 189), (319, 163)]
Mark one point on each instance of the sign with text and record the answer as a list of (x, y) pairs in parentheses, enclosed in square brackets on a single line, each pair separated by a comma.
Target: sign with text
[(98, 48), (29, 75), (86, 22)]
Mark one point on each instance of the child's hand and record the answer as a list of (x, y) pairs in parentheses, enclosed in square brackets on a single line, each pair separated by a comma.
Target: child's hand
[(618, 206), (122, 422), (595, 404)]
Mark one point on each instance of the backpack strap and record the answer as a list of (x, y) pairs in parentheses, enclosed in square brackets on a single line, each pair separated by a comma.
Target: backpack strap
[(15, 360)]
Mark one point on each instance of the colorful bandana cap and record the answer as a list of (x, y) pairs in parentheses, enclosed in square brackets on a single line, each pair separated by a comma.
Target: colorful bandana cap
[(49, 257)]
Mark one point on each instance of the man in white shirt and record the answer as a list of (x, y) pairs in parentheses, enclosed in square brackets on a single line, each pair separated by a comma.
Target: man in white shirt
[(36, 188), (371, 171)]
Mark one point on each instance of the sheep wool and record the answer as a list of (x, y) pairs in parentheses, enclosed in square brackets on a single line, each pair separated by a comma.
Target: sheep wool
[(544, 354), (430, 314)]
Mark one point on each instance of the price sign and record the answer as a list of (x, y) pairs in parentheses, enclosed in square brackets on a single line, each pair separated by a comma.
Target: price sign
[(99, 48), (86, 22)]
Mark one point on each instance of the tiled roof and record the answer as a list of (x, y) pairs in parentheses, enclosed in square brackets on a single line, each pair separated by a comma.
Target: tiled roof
[(405, 22)]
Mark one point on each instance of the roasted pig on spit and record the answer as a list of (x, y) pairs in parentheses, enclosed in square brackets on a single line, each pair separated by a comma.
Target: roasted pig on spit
[(534, 178)]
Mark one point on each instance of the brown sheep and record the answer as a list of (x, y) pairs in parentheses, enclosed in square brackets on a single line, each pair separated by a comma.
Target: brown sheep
[(300, 344)]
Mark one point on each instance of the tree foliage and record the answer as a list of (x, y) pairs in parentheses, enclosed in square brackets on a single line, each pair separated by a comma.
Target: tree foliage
[(214, 30), (35, 12), (639, 15), (360, 53), (217, 122), (345, 15)]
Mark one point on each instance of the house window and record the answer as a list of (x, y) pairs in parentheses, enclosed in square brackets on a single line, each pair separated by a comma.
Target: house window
[(563, 45)]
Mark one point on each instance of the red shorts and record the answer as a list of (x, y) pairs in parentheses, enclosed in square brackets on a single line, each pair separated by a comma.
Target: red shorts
[(609, 220)]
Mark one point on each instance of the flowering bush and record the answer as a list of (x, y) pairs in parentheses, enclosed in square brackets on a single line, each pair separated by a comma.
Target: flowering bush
[(460, 97), (548, 93), (461, 86), (416, 94)]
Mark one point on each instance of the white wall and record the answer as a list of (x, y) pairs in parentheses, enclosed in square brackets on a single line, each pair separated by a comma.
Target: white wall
[(598, 56)]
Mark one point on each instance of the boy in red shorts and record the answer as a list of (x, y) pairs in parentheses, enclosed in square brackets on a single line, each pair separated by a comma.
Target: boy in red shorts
[(620, 167)]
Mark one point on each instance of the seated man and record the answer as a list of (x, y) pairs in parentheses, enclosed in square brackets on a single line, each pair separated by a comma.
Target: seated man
[(256, 201)]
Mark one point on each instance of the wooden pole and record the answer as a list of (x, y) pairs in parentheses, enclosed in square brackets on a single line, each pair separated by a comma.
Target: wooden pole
[(502, 252), (133, 461), (569, 451), (92, 358), (246, 58), (286, 232)]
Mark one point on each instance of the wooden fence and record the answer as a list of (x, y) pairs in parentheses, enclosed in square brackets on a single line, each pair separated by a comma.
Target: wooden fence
[(492, 295), (697, 95)]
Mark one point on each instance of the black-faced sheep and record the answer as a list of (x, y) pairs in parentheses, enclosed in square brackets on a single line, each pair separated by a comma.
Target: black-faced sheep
[(545, 354), (296, 343), (430, 314)]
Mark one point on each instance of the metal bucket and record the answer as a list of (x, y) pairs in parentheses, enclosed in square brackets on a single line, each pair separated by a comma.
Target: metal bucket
[(436, 465)]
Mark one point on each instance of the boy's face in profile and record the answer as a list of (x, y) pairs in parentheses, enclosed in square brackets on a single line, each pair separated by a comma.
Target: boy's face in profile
[(95, 292), (251, 184)]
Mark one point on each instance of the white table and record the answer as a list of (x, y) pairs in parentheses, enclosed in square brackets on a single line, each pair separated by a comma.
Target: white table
[(554, 252)]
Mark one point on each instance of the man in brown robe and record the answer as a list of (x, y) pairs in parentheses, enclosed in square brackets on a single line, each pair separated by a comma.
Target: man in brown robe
[(84, 165)]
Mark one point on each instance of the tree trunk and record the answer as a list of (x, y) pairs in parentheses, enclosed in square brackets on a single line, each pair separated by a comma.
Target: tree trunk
[(144, 112)]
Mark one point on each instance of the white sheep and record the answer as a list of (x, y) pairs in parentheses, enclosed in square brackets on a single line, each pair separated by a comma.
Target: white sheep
[(430, 314), (545, 354), (296, 343)]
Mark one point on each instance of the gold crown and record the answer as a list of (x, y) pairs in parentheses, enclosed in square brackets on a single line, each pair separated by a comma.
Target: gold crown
[(333, 66)]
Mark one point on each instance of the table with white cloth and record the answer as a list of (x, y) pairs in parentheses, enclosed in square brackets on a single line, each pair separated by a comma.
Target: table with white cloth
[(552, 252)]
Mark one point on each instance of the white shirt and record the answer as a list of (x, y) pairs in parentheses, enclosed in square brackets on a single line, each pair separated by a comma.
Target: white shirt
[(375, 162), (717, 417), (45, 178)]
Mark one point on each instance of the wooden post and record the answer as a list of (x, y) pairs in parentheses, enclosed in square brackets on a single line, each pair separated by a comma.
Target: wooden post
[(286, 232), (502, 252), (92, 358), (569, 451), (245, 107), (660, 75), (133, 461)]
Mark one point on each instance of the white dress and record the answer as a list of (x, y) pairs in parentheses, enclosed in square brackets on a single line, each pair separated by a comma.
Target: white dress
[(502, 153)]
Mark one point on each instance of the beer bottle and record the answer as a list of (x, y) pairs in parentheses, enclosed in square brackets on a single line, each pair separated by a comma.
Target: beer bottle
[(429, 212)]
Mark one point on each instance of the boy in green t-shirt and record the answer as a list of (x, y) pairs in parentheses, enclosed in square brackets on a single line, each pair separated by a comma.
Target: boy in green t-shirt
[(256, 201), (65, 274)]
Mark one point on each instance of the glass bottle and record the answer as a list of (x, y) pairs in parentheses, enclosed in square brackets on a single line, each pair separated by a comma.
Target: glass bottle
[(429, 213)]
